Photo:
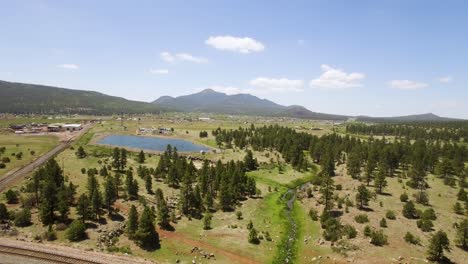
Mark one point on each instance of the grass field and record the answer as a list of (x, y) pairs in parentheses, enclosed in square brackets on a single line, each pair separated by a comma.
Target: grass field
[(27, 145)]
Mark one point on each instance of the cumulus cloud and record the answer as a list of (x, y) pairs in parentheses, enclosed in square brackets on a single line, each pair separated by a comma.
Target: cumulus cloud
[(159, 71), (333, 78), (407, 85), (169, 57), (69, 66), (445, 79), (236, 44), (277, 85)]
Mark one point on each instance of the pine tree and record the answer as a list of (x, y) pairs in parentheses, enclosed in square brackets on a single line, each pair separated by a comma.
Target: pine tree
[(132, 223), (149, 183), (96, 203), (462, 234), (80, 153), (123, 158), (116, 159), (63, 204), (353, 165), (253, 236), (146, 235), (380, 180), (82, 207), (207, 221), (141, 157), (438, 243), (326, 189), (251, 164), (109, 194), (362, 196)]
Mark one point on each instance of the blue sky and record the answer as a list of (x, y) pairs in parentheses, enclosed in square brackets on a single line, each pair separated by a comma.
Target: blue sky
[(377, 58)]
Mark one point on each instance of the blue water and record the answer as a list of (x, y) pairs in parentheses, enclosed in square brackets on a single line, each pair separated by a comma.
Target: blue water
[(151, 143)]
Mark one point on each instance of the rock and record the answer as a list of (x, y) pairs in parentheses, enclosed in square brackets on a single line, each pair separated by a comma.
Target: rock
[(177, 261), (400, 258)]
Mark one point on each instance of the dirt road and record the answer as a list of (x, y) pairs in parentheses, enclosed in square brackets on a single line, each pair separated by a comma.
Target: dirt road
[(12, 177)]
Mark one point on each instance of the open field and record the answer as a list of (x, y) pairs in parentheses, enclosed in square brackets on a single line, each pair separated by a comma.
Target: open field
[(31, 148)]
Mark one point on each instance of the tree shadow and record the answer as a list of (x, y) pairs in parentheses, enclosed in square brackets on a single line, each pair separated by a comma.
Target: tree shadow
[(117, 217)]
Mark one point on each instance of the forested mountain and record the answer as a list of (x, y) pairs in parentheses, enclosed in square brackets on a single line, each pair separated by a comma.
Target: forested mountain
[(32, 98)]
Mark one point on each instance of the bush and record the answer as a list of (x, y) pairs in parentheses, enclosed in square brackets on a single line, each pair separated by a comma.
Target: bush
[(4, 214), (50, 235), (367, 231), (253, 237), (412, 239), (458, 209), (409, 211), (332, 230), (339, 187), (23, 218), (11, 197), (429, 214), (383, 222), (390, 215), (422, 198), (404, 197), (313, 214), (76, 231), (378, 238), (239, 215), (361, 218), (349, 231), (425, 225), (6, 160)]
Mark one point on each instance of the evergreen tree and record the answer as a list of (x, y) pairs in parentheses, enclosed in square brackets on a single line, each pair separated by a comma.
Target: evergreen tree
[(146, 235), (63, 203), (353, 164), (76, 231), (207, 221), (132, 223), (251, 164), (96, 203), (116, 159), (462, 234), (82, 207), (149, 183), (326, 189), (438, 243), (141, 157), (123, 159), (380, 181), (80, 153), (253, 236), (4, 214), (110, 192), (363, 196), (409, 210)]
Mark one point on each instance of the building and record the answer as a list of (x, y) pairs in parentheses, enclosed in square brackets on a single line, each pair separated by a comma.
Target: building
[(72, 127)]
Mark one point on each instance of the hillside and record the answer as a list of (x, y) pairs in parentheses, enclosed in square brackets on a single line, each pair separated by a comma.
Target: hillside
[(31, 98)]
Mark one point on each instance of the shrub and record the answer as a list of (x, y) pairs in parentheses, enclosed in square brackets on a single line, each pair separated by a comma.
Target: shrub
[(6, 160), (253, 236), (332, 230), (409, 211), (83, 170), (11, 197), (339, 187), (349, 231), (390, 215), (313, 214), (422, 198), (361, 218), (378, 238), (4, 215), (23, 218), (412, 239), (76, 231), (50, 235), (239, 215), (429, 214), (404, 197), (367, 231), (383, 222), (458, 209), (2, 165), (425, 225)]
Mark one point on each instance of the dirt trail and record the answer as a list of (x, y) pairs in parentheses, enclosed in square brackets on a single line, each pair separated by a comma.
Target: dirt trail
[(236, 258)]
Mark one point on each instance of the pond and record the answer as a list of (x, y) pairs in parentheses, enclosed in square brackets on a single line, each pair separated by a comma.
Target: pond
[(151, 143)]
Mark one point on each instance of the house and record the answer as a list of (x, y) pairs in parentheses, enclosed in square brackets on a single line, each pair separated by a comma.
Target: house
[(72, 127), (54, 127), (204, 119)]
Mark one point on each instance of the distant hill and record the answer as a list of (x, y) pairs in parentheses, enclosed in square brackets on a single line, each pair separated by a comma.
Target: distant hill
[(428, 117), (31, 98)]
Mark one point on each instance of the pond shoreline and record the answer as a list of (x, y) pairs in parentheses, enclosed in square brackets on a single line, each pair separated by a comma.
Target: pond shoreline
[(97, 138)]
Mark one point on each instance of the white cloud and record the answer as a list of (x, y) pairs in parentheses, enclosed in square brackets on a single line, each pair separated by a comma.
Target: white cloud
[(445, 79), (333, 78), (69, 66), (230, 43), (159, 71), (407, 85), (264, 84), (169, 57)]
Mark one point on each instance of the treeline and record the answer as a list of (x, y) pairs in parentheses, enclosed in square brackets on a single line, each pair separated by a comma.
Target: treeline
[(446, 131)]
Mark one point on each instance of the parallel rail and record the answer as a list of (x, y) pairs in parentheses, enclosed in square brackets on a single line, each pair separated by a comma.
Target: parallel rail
[(45, 256)]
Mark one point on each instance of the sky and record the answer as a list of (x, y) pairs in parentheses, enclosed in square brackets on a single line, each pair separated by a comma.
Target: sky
[(378, 58)]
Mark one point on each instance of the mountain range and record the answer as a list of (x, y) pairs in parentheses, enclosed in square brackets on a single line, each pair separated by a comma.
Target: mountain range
[(32, 98)]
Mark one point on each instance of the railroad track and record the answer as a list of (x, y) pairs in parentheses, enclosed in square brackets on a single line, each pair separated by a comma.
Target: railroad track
[(45, 256), (9, 179)]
